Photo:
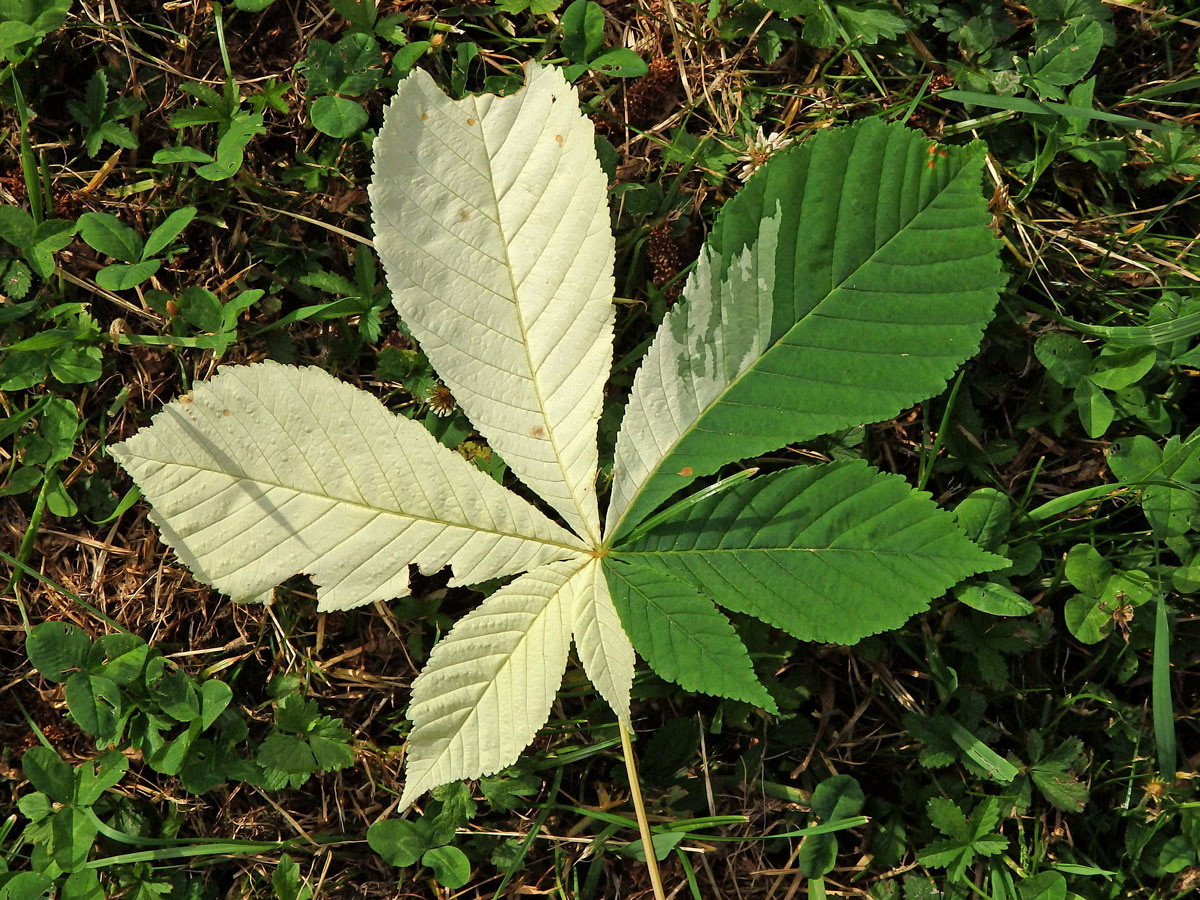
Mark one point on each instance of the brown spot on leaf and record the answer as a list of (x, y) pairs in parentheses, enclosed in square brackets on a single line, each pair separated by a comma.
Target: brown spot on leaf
[(470, 121), (558, 139), (686, 470), (225, 412), (424, 116), (537, 431), (463, 215)]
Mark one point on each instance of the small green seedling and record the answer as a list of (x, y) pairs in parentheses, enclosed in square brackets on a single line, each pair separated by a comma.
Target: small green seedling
[(101, 120), (138, 259), (363, 16), (364, 298), (986, 516), (126, 694), (1094, 380), (62, 827), (858, 24), (335, 73), (22, 27), (846, 281), (426, 839), (303, 743), (583, 42), (35, 242), (1107, 596), (838, 797), (42, 450), (966, 838), (1166, 477), (198, 309), (286, 881), (236, 127), (65, 344)]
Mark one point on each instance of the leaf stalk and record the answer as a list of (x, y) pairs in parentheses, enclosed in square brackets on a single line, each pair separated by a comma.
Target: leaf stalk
[(639, 808)]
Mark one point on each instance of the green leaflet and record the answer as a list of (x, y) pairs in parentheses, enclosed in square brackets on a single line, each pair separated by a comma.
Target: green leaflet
[(682, 635), (847, 280), (827, 552)]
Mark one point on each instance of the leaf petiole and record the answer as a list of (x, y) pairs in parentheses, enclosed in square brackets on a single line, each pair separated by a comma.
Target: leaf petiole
[(639, 808)]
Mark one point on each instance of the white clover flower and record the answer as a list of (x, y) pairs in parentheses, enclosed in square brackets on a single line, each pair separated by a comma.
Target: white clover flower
[(759, 149)]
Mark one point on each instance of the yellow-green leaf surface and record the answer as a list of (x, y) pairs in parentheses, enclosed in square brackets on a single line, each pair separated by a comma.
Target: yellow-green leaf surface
[(268, 471), (488, 685), (491, 218), (602, 644), (847, 280)]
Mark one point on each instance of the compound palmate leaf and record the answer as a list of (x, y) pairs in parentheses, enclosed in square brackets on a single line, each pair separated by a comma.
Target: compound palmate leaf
[(491, 217), (847, 280), (269, 471)]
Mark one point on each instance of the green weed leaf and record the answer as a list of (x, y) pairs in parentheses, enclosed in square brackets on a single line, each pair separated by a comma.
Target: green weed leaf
[(26, 886), (49, 774), (124, 657), (214, 697), (984, 515), (450, 866), (350, 67), (1065, 357), (338, 117), (107, 234), (73, 834), (83, 884), (98, 775), (1052, 773), (167, 230), (1047, 885), (583, 30), (400, 842), (95, 703), (967, 838), (619, 63), (55, 648), (993, 599), (838, 797), (1065, 59), (1095, 409), (286, 881), (1120, 367)]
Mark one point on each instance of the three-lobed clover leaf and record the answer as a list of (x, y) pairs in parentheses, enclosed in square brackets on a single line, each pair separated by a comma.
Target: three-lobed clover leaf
[(846, 281)]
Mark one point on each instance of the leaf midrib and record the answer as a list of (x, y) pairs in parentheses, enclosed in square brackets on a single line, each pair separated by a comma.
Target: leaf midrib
[(490, 683), (374, 509), (622, 554), (734, 382), (593, 537)]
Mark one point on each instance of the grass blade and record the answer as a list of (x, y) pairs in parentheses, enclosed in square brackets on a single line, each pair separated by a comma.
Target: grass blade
[(1160, 694), (1049, 107)]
